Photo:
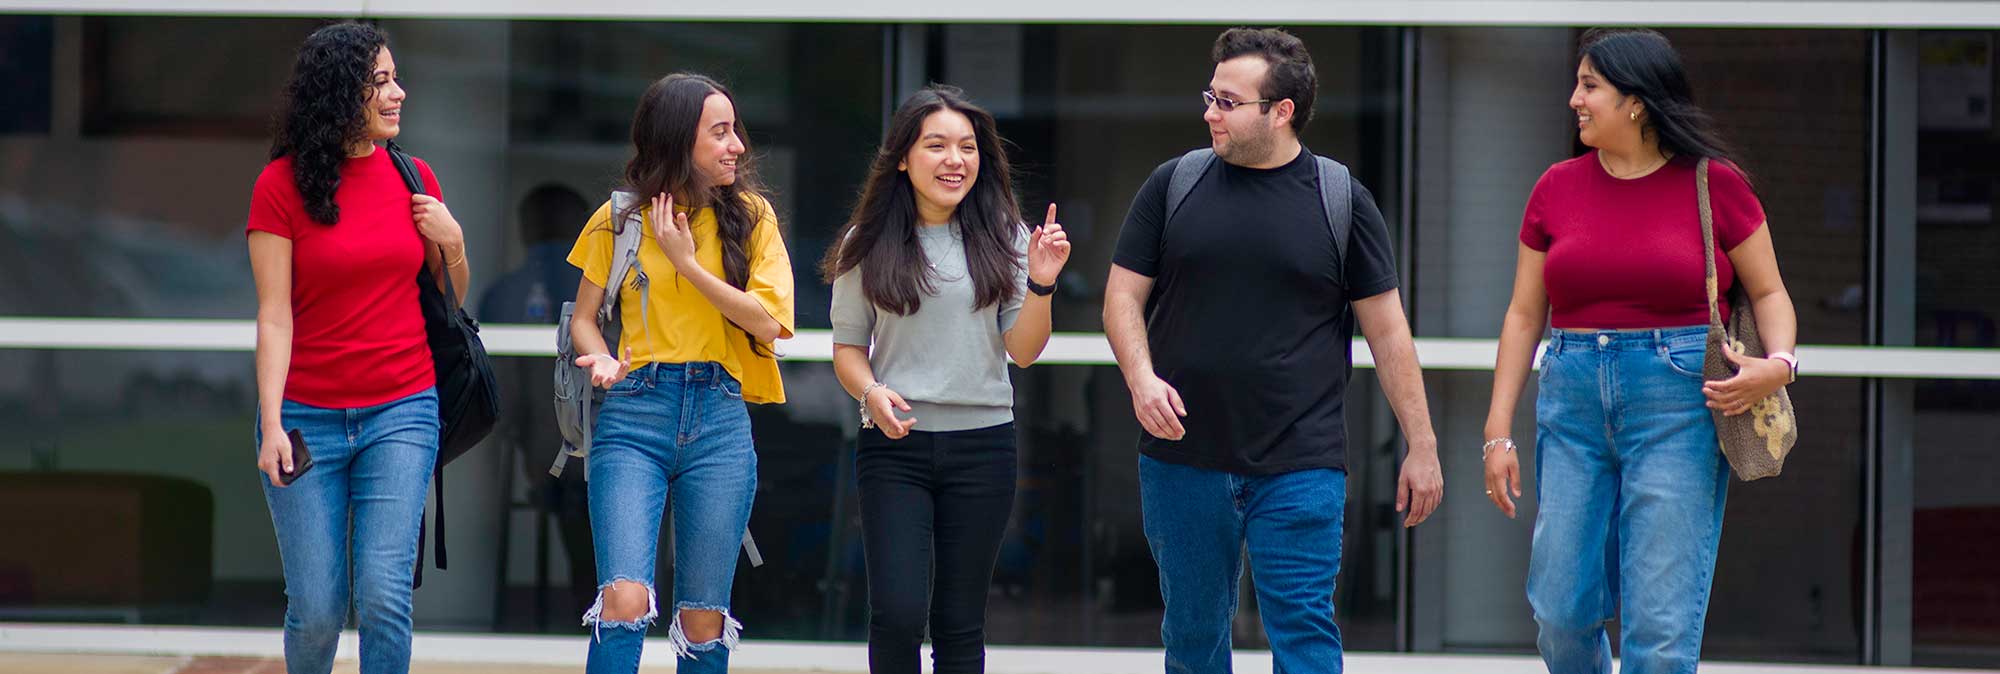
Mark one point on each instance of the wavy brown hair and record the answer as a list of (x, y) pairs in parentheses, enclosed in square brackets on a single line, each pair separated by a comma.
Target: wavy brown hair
[(882, 231), (663, 136), (321, 113)]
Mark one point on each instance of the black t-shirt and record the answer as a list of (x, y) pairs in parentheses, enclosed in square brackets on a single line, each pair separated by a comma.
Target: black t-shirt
[(1248, 317)]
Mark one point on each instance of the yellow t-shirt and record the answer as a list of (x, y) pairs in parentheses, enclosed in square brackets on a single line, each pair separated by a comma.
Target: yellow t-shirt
[(686, 328)]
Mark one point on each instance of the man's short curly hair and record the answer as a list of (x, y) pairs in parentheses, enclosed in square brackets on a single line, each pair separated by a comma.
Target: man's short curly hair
[(1291, 75)]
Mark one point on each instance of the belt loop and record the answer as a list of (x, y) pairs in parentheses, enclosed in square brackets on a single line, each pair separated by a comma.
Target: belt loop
[(1555, 341)]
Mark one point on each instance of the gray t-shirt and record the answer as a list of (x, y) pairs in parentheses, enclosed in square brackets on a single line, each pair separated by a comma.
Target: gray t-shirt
[(948, 360)]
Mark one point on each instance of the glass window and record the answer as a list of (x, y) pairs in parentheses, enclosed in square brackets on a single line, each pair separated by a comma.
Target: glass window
[(1796, 103), (1955, 611), (26, 43), (151, 454), (143, 216), (224, 88)]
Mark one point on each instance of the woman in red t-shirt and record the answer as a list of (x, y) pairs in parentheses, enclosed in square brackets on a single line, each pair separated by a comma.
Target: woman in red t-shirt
[(337, 243), (1629, 480)]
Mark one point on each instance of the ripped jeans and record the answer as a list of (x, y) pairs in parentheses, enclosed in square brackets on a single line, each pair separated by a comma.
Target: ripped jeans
[(679, 433)]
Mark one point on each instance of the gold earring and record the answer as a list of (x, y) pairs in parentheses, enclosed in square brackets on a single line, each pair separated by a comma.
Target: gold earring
[(1635, 115)]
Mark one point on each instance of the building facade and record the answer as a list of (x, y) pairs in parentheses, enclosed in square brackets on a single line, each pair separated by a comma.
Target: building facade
[(130, 134)]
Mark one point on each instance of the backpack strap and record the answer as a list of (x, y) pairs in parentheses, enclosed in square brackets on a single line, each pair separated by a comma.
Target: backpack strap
[(624, 252), (1336, 197), (1188, 170), (414, 181)]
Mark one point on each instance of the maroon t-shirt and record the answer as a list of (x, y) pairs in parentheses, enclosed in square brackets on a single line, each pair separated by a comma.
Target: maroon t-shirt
[(357, 333), (1626, 254)]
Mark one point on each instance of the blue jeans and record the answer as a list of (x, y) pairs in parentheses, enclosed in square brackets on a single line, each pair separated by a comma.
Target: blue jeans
[(1630, 487), (679, 429), (1197, 523), (371, 466)]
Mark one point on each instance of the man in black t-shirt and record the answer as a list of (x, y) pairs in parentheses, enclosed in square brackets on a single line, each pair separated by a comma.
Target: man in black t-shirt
[(1231, 323)]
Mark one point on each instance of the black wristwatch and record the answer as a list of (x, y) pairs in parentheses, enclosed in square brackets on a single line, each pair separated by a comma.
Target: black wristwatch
[(1039, 289)]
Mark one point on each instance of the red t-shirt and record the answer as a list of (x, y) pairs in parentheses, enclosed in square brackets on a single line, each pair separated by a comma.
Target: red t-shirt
[(357, 332), (1626, 254)]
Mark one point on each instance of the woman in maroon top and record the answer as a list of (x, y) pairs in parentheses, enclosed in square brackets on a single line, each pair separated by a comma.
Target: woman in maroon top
[(337, 243), (1629, 480)]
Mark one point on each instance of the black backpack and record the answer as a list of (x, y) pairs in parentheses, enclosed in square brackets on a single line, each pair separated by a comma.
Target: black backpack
[(468, 394)]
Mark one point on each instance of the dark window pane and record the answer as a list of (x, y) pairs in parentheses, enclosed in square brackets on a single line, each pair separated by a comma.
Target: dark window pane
[(151, 454), (1796, 103), (1955, 585), (1955, 526), (225, 88), (26, 43)]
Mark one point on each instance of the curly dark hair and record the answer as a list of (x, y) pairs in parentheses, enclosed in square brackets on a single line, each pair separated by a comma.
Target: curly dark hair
[(321, 115)]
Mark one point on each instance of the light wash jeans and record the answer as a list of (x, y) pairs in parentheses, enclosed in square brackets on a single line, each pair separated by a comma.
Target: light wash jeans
[(679, 430), (371, 465), (1630, 486)]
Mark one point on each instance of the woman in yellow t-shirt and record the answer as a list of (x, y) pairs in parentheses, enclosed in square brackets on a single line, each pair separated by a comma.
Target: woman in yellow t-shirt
[(711, 291)]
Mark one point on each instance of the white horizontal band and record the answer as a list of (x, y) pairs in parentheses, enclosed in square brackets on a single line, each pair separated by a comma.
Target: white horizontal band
[(1770, 13), (800, 656), (1436, 353)]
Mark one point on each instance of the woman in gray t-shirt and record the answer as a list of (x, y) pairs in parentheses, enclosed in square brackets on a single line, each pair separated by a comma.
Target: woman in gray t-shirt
[(936, 283)]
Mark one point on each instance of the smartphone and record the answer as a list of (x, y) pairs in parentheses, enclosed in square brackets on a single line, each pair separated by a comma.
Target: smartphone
[(302, 458)]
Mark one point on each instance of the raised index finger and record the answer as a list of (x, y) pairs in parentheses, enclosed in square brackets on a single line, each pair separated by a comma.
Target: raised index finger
[(1051, 219)]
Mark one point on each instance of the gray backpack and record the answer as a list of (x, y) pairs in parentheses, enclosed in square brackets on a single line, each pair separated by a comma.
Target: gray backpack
[(1336, 196), (576, 400)]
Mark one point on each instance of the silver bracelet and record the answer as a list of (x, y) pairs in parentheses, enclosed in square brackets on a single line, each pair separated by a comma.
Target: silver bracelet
[(1488, 447), (866, 420)]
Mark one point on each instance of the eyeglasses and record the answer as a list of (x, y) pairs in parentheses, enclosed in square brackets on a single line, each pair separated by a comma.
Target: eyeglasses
[(1227, 104)]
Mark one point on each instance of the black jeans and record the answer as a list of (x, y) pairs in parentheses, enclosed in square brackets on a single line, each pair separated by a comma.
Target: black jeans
[(932, 502)]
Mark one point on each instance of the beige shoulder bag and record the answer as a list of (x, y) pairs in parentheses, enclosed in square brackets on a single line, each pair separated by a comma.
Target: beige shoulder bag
[(1756, 441)]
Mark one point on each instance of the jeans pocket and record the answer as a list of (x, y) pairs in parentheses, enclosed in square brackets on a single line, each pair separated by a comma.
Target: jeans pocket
[(731, 389), (1686, 359), (629, 386)]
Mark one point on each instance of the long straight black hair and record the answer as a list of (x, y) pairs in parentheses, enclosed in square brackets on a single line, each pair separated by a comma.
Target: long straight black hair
[(663, 136), (882, 231), (1640, 62)]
